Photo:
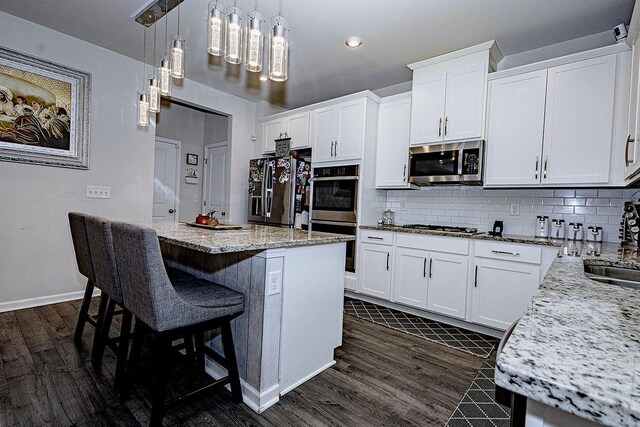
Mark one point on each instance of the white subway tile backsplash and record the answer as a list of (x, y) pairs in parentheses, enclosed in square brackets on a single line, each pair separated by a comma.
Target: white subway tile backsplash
[(564, 193)]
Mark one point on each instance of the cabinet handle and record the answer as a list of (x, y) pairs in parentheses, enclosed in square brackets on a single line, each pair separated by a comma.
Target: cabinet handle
[(387, 261), (374, 238), (424, 268), (475, 279), (430, 267), (332, 148), (537, 163), (440, 127), (506, 253), (336, 149), (626, 151), (404, 173), (446, 125), (544, 173)]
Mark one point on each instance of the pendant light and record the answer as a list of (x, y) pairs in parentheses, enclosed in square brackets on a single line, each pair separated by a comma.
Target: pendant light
[(165, 64), (216, 29), (178, 45), (233, 35), (279, 47), (142, 101), (254, 37), (154, 83)]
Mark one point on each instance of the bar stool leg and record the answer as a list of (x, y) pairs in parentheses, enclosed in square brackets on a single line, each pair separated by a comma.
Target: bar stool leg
[(84, 312), (123, 349), (161, 349), (102, 334), (132, 364), (199, 340), (232, 364)]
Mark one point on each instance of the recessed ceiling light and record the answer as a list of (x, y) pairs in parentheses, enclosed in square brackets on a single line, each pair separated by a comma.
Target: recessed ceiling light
[(353, 42), (263, 78)]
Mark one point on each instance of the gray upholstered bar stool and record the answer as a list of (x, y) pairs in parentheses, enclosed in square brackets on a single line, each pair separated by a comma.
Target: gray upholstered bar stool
[(170, 312)]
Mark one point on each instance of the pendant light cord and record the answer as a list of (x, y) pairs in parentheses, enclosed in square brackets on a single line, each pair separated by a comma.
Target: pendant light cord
[(179, 3), (166, 27), (144, 54), (280, 8), (155, 36)]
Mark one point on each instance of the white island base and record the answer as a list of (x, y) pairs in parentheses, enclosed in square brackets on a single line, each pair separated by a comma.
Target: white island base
[(293, 312)]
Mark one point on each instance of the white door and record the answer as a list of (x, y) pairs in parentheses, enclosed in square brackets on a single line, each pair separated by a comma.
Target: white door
[(375, 265), (165, 181), (502, 290), (427, 108), (271, 131), (350, 137), (515, 129), (410, 277), (447, 287), (214, 194), (465, 102), (392, 157), (298, 130), (324, 124), (579, 122)]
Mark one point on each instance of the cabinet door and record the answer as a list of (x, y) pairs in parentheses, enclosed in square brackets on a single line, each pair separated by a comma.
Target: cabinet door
[(447, 287), (410, 277), (465, 102), (427, 108), (298, 130), (632, 147), (515, 129), (392, 157), (324, 123), (579, 122), (350, 138), (375, 265), (271, 131), (498, 282)]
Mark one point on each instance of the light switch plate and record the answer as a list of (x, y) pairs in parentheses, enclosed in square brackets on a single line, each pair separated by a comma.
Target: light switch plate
[(274, 283), (94, 192)]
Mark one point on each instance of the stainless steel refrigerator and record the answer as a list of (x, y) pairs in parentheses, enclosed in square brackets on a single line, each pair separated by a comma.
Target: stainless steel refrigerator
[(278, 190)]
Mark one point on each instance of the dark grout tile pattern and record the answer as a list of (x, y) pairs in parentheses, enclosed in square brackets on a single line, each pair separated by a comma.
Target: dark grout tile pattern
[(451, 336)]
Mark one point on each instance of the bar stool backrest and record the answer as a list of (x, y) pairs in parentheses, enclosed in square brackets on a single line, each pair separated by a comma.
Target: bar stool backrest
[(103, 257), (81, 244)]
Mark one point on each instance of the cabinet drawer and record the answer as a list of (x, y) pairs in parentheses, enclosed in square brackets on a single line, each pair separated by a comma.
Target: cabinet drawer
[(452, 245), (377, 237), (509, 251)]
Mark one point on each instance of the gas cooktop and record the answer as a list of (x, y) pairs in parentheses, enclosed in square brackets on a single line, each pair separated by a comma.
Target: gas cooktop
[(447, 228)]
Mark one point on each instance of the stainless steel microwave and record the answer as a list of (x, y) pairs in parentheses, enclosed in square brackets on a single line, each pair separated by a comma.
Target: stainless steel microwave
[(451, 163)]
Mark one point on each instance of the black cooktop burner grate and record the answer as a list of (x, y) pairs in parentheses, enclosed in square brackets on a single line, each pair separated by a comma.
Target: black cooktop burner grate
[(447, 228)]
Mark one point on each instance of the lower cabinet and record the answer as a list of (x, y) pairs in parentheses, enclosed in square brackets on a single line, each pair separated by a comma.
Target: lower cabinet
[(375, 268), (410, 277), (502, 290), (447, 288)]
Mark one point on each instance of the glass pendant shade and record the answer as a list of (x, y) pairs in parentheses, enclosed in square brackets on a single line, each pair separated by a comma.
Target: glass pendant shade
[(253, 51), (165, 77), (154, 94), (233, 35), (143, 109), (279, 49), (216, 29), (177, 57)]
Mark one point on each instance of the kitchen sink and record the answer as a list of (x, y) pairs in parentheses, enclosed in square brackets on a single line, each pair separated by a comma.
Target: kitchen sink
[(626, 277)]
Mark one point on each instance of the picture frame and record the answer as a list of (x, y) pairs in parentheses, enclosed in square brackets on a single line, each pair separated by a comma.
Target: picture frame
[(192, 159), (44, 112)]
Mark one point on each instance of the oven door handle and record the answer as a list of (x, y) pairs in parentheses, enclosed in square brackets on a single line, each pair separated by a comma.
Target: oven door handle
[(343, 224), (335, 178)]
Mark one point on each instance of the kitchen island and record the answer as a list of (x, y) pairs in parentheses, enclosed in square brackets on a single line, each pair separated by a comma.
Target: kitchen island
[(575, 353), (293, 284)]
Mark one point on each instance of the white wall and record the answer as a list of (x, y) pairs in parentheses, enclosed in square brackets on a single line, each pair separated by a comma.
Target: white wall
[(36, 258)]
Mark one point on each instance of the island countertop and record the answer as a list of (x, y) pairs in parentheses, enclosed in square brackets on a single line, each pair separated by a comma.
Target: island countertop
[(577, 345), (251, 237)]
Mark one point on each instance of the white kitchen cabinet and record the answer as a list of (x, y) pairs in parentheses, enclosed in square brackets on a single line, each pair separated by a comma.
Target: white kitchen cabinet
[(295, 126), (392, 156), (447, 284), (375, 270), (632, 144), (427, 108), (579, 122), (410, 277), (338, 131), (515, 129), (465, 102)]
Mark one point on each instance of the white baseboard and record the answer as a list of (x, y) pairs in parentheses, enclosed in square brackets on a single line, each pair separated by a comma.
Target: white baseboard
[(38, 301), (307, 378)]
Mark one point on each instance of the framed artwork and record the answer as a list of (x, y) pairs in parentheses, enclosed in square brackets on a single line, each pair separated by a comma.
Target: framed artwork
[(44, 112), (192, 159)]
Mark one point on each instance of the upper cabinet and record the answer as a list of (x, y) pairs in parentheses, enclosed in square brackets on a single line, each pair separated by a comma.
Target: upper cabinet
[(338, 131), (449, 94), (294, 126), (559, 125), (632, 144), (392, 157)]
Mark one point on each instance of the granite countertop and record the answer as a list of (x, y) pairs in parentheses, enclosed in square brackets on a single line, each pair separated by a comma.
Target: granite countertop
[(577, 345), (250, 238), (480, 236)]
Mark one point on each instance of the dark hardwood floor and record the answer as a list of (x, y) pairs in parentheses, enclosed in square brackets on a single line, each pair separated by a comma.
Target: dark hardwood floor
[(382, 377)]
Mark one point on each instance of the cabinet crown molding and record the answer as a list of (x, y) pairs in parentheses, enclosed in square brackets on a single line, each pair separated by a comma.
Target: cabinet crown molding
[(491, 46)]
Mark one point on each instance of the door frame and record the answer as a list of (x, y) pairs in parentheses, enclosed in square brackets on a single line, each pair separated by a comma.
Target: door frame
[(226, 175), (178, 144)]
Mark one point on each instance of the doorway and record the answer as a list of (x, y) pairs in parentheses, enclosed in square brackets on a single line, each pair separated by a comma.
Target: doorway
[(166, 187), (214, 183)]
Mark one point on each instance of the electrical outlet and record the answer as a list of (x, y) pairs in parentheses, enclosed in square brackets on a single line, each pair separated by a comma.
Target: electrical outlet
[(274, 283), (403, 205), (514, 209), (93, 192)]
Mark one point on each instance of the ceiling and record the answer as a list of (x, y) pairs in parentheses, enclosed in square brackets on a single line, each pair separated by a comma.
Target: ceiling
[(321, 66)]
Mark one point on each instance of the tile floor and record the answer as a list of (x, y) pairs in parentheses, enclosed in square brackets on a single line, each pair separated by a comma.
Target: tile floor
[(451, 336)]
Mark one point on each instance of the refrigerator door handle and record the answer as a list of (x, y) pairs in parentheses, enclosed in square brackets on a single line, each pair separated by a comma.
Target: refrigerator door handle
[(268, 190)]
